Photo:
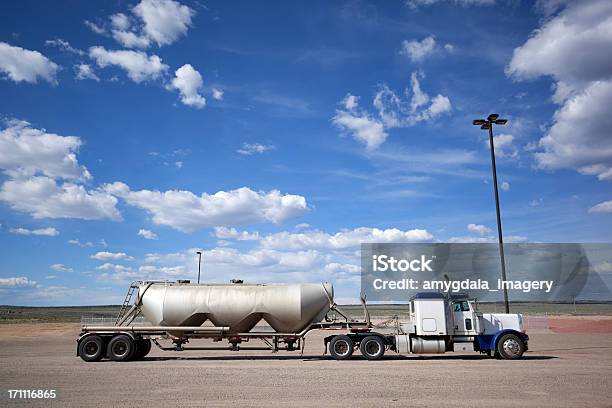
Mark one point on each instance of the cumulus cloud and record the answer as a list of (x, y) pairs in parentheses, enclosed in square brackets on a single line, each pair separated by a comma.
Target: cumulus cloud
[(85, 71), (42, 197), (61, 268), (504, 146), (50, 232), (479, 229), (20, 64), (187, 212), (27, 151), (579, 137), (160, 22), (392, 112), (233, 233), (248, 149), (115, 256), (342, 240), (505, 186), (16, 282), (147, 234), (189, 82), (603, 207), (416, 50), (138, 65)]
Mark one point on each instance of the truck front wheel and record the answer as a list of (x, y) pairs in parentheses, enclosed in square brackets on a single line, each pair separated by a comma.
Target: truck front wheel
[(341, 347), (372, 347), (510, 347)]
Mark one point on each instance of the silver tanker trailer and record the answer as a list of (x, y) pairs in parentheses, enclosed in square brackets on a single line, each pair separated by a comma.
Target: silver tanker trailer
[(180, 311)]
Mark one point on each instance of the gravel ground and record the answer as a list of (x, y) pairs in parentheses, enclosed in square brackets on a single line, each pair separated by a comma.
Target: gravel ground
[(559, 370)]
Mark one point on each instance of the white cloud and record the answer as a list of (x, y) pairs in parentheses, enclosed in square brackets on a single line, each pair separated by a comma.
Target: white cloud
[(26, 151), (579, 136), (417, 51), (95, 27), (393, 112), (61, 268), (50, 232), (362, 126), (138, 65), (64, 46), (85, 71), (504, 146), (50, 277), (178, 164), (120, 21), (164, 20), (42, 197), (233, 233), (248, 149), (147, 234), (115, 256), (505, 186), (217, 94), (14, 282), (489, 239), (189, 82), (19, 64), (160, 22), (603, 207), (479, 229), (187, 212), (76, 242), (343, 239)]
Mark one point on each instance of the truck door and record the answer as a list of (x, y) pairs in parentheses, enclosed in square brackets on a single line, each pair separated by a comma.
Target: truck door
[(464, 318)]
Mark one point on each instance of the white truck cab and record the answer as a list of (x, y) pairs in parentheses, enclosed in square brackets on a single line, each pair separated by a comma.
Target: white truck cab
[(439, 323)]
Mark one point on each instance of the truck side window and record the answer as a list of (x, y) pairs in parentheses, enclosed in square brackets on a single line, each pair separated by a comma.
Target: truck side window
[(461, 306)]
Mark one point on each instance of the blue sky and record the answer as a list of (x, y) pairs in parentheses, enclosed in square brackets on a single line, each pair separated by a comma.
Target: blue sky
[(278, 136)]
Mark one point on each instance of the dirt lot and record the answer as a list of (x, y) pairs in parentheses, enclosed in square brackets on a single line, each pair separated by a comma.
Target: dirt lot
[(561, 369)]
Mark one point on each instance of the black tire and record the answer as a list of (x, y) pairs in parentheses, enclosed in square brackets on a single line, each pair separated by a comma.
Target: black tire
[(121, 348), (510, 347), (92, 348), (372, 347), (143, 346), (341, 347)]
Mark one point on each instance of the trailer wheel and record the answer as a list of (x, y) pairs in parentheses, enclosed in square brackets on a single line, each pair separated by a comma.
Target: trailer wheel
[(121, 348), (341, 347), (372, 347), (92, 348), (510, 347), (143, 346)]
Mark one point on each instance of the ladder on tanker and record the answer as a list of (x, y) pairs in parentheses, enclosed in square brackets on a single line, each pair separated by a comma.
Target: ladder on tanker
[(126, 303)]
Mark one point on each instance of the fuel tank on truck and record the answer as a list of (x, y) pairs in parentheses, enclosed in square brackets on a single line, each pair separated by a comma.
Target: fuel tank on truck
[(288, 308)]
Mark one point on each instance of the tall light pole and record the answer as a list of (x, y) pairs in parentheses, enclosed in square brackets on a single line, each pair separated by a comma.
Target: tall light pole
[(199, 264), (487, 124)]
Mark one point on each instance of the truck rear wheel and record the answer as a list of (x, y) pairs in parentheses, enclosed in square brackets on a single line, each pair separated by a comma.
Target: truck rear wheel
[(510, 347), (372, 347), (92, 348), (143, 346), (341, 347), (121, 348)]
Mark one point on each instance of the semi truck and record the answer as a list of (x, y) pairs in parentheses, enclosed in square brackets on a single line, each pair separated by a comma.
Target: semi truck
[(180, 311)]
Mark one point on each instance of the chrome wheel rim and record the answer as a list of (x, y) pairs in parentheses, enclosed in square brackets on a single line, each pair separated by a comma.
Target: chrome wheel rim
[(91, 348), (512, 347), (120, 349)]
